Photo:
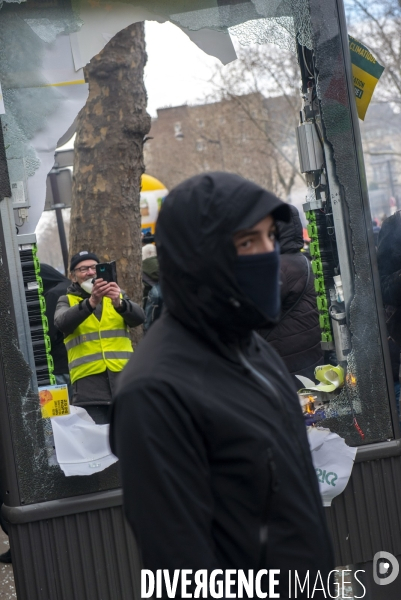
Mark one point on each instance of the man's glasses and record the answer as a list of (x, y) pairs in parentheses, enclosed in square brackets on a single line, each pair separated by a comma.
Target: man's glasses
[(86, 269)]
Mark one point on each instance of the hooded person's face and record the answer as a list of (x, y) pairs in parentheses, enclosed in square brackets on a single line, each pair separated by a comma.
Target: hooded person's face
[(199, 226), (259, 239)]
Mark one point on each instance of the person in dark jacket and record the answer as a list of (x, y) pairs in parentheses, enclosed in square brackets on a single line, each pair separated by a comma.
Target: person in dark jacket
[(215, 462), (297, 335), (376, 232), (389, 263), (152, 296), (150, 270), (55, 284)]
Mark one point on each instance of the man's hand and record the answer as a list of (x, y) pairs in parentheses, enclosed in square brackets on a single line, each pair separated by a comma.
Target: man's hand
[(100, 289), (113, 292)]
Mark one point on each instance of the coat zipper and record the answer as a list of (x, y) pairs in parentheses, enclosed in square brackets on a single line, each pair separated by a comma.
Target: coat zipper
[(273, 488), (267, 384)]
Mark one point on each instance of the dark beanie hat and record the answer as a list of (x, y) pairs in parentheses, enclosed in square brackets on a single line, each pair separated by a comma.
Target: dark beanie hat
[(83, 255)]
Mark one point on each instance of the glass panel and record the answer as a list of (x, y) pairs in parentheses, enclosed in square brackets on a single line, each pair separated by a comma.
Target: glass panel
[(365, 394), (32, 32)]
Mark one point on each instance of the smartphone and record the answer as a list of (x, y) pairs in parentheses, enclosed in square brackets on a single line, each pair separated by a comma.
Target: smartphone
[(107, 271)]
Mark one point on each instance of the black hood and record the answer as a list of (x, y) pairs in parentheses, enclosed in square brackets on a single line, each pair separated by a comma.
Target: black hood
[(51, 277), (197, 256), (290, 235), (389, 245)]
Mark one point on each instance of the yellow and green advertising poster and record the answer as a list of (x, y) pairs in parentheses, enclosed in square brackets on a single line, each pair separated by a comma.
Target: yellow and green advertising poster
[(366, 72), (54, 401)]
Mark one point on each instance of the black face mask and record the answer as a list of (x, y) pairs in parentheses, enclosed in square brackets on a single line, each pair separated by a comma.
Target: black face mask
[(258, 277)]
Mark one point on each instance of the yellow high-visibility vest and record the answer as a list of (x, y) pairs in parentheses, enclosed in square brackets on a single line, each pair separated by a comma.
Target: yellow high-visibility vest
[(96, 345)]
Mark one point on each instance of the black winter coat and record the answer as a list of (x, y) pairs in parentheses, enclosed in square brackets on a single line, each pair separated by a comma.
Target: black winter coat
[(214, 458), (297, 336), (55, 285), (389, 263)]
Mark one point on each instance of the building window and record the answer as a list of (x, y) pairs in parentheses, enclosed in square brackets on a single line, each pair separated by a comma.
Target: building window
[(201, 122), (178, 131), (200, 146)]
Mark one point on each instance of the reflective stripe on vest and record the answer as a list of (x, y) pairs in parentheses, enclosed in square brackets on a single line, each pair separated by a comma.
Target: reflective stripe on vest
[(93, 357), (88, 337), (96, 345)]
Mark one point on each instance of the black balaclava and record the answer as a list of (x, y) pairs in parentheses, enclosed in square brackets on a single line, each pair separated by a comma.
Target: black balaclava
[(258, 277), (197, 256)]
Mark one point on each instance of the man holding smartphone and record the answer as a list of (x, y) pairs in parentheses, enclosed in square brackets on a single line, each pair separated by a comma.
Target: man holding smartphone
[(95, 316)]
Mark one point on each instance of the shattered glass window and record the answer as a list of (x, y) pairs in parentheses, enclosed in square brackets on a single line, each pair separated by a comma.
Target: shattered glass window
[(359, 409), (43, 47)]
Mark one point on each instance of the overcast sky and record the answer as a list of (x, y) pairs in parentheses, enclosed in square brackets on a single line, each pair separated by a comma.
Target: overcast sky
[(177, 70)]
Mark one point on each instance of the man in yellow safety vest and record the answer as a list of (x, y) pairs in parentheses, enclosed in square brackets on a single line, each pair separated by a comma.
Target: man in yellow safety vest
[(95, 317)]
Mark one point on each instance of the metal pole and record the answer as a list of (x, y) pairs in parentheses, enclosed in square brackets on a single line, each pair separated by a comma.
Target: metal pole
[(5, 189), (63, 239), (60, 222)]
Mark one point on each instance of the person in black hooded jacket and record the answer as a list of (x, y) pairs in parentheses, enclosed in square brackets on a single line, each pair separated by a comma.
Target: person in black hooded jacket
[(389, 263), (297, 335), (215, 462), (55, 285)]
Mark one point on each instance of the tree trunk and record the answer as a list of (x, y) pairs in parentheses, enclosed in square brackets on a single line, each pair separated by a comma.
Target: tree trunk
[(108, 161)]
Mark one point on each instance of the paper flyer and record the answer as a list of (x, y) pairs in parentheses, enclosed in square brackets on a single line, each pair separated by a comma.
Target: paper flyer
[(54, 401), (366, 72)]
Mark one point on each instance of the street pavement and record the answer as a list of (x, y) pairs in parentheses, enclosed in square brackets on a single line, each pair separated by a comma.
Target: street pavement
[(7, 588)]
